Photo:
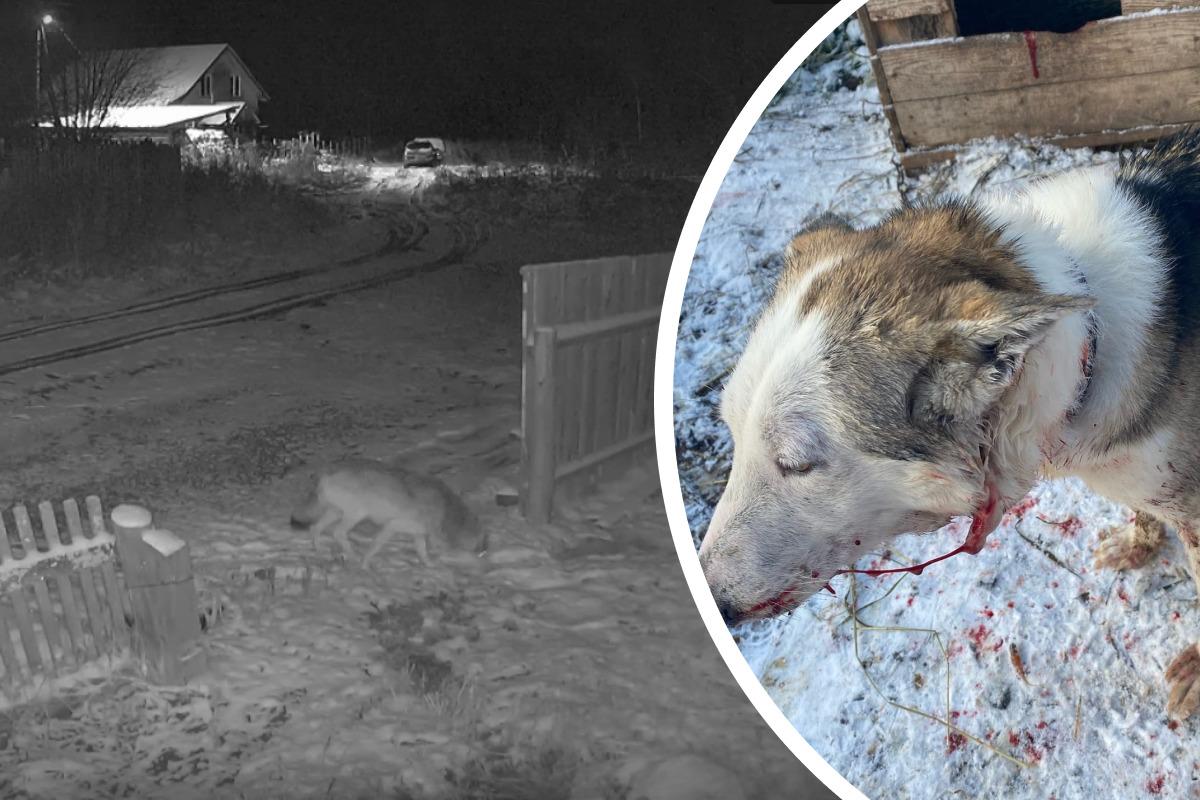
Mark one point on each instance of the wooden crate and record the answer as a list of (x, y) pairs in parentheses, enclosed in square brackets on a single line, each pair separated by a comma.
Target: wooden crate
[(590, 331), (1124, 79)]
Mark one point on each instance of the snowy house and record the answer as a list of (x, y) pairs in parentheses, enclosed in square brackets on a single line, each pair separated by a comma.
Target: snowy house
[(161, 93)]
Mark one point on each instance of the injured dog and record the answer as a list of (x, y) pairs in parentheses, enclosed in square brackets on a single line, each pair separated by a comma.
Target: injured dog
[(936, 364)]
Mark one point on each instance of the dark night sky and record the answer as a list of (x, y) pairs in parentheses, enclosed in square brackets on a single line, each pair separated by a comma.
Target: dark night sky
[(564, 72)]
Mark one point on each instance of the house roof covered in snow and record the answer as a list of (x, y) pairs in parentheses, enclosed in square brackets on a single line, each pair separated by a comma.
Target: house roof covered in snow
[(169, 73), (161, 117)]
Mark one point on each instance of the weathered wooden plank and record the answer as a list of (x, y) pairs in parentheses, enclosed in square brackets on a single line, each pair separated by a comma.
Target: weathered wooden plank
[(607, 362), (1139, 6), (586, 410), (58, 649), (96, 618), (24, 621), (84, 647), (95, 515), (25, 531), (6, 555), (900, 9), (1116, 47), (540, 463), (49, 525), (607, 326), (8, 652), (117, 601), (592, 460), (1115, 103), (915, 29), (914, 162), (90, 579)]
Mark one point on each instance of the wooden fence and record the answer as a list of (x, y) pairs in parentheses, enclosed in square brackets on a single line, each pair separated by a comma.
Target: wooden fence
[(72, 593), (67, 198), (346, 146), (590, 331)]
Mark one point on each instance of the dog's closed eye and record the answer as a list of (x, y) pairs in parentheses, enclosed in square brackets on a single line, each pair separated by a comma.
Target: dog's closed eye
[(793, 468)]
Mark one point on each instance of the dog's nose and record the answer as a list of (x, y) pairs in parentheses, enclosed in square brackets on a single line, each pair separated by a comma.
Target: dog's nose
[(729, 612)]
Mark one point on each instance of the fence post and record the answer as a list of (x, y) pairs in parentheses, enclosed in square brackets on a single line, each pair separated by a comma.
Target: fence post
[(158, 575), (540, 429)]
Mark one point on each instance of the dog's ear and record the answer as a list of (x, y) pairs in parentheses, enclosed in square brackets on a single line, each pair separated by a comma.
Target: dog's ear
[(827, 221), (818, 232), (976, 359)]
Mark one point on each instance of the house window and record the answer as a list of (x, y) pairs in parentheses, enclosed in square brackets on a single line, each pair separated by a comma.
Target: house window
[(235, 85), (206, 86)]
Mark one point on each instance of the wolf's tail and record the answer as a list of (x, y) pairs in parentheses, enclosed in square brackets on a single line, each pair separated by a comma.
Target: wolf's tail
[(307, 512)]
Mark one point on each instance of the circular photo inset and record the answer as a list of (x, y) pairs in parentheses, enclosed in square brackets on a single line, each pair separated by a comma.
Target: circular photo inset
[(926, 418)]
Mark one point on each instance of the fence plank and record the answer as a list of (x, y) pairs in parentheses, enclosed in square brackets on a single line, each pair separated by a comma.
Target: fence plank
[(99, 616), (21, 616), (541, 444), (95, 612), (57, 648), (1113, 47), (25, 531), (85, 648), (117, 602), (8, 652), (6, 555), (1103, 104)]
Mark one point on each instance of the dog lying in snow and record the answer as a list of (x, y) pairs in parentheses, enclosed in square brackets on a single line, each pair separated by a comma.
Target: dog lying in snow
[(935, 364)]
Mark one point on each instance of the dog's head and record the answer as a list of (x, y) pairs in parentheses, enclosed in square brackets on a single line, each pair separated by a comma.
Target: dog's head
[(861, 406)]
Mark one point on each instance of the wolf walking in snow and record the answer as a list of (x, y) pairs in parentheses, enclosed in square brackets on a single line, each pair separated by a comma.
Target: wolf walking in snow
[(396, 500)]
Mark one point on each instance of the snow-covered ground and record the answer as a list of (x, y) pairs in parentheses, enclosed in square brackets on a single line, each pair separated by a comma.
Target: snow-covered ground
[(1050, 663), (566, 663)]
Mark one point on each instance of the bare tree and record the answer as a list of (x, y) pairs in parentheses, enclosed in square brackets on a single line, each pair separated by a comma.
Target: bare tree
[(82, 95)]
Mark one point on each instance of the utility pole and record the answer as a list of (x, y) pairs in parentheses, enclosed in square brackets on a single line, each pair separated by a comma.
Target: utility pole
[(39, 44)]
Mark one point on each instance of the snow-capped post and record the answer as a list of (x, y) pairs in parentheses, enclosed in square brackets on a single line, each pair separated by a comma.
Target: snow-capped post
[(162, 594)]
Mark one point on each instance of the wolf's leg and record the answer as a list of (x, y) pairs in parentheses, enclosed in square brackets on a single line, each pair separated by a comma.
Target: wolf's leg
[(1131, 548), (385, 535), (1183, 675), (341, 532), (323, 524)]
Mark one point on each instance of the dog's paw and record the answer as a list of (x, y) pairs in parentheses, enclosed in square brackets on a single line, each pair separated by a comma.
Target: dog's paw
[(1183, 678), (1121, 552)]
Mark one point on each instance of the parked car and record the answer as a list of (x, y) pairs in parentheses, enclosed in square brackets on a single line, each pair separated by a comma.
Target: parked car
[(424, 152)]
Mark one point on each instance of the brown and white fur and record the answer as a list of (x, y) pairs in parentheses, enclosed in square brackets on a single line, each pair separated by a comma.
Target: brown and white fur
[(936, 364)]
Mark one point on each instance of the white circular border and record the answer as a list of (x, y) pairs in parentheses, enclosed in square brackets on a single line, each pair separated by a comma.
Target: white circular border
[(664, 422)]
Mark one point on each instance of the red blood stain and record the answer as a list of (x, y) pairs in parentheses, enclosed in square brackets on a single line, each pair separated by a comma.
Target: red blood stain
[(1121, 593), (987, 612), (1011, 604), (954, 742), (1018, 511), (1068, 527), (976, 539), (1175, 616), (1013, 739), (980, 636), (1155, 784), (1172, 724)]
